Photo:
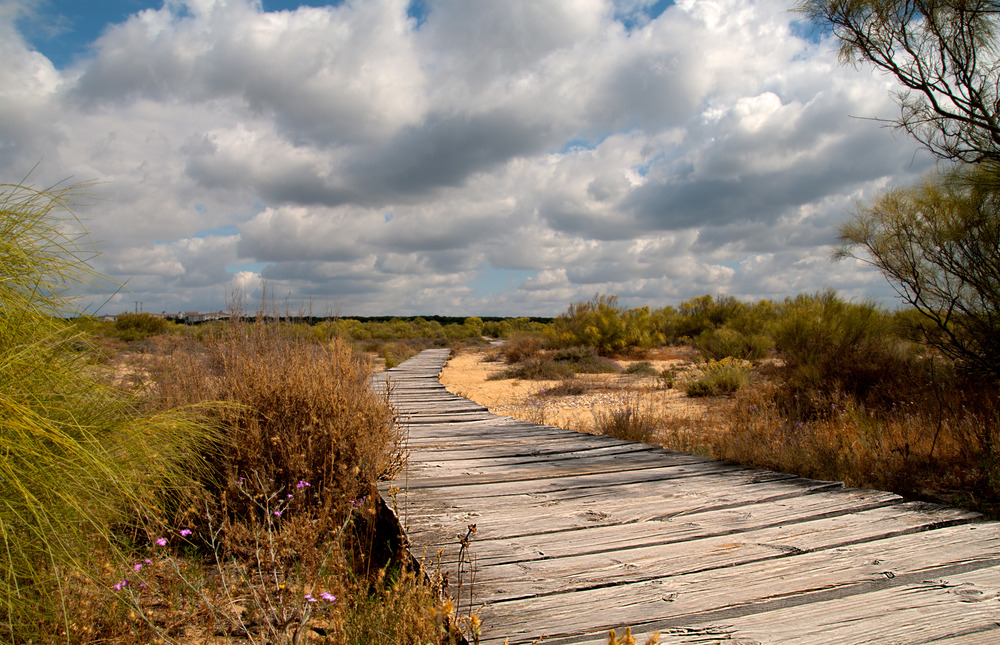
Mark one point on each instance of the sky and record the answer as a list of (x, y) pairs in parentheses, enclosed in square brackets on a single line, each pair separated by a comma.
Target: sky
[(451, 157)]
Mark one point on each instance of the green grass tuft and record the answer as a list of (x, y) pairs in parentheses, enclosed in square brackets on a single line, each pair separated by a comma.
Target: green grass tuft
[(80, 459)]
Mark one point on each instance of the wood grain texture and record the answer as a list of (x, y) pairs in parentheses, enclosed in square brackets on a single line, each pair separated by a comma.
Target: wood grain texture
[(576, 534)]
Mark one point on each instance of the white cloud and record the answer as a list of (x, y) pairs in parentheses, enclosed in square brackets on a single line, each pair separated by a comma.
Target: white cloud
[(348, 154)]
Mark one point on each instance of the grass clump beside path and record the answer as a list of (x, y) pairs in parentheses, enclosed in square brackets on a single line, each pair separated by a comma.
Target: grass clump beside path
[(79, 466)]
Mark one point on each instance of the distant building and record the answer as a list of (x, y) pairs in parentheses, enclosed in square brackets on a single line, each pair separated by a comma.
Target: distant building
[(194, 317)]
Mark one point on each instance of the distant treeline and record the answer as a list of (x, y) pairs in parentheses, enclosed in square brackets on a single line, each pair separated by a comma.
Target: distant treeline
[(312, 320), (443, 320)]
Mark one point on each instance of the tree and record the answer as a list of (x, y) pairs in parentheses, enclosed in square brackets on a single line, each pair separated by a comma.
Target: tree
[(938, 243), (943, 52)]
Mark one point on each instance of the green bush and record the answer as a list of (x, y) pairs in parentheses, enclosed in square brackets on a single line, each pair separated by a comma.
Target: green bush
[(719, 377), (828, 345), (136, 326), (705, 312), (605, 325), (725, 341), (641, 368)]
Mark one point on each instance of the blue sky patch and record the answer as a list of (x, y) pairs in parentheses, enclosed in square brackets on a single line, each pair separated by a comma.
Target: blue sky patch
[(498, 281)]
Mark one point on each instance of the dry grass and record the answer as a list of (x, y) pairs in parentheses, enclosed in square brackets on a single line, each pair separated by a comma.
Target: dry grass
[(296, 410), (938, 443), (284, 540), (921, 449)]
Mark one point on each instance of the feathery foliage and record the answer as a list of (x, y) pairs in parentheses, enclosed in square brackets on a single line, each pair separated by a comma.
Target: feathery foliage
[(938, 244), (76, 457)]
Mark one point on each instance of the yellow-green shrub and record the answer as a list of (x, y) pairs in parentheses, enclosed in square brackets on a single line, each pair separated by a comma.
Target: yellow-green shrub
[(719, 377), (77, 458)]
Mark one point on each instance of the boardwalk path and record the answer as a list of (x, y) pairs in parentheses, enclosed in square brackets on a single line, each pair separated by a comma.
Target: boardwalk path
[(579, 533)]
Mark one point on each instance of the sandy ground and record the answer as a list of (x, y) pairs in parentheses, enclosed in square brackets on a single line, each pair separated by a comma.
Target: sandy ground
[(466, 375)]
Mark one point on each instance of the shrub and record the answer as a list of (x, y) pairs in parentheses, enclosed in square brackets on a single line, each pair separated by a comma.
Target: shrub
[(395, 352), (521, 347), (537, 369), (585, 360), (705, 312), (725, 341), (603, 324), (296, 410), (719, 377), (129, 327), (633, 422), (575, 354), (568, 387), (828, 345), (641, 368)]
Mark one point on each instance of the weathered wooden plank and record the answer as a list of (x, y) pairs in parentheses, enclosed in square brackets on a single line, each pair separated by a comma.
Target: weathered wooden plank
[(801, 578), (794, 532), (470, 470), (446, 417), (487, 427), (509, 453), (683, 515), (696, 486), (694, 548), (421, 479), (956, 608), (433, 406)]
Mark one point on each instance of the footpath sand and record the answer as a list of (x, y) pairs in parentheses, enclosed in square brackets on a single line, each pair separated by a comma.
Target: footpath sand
[(467, 374)]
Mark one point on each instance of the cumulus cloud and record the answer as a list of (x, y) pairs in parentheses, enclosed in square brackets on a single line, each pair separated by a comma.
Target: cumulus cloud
[(378, 162)]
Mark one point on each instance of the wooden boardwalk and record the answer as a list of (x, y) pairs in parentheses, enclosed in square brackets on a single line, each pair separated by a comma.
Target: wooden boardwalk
[(576, 534)]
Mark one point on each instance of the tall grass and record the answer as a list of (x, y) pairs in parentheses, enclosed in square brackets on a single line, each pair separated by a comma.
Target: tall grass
[(638, 420), (78, 461), (917, 448)]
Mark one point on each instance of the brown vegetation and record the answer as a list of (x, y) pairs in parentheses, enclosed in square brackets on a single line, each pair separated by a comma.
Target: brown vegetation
[(283, 539), (845, 393)]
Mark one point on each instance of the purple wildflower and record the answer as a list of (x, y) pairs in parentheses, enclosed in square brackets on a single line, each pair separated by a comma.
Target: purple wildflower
[(309, 597), (121, 584), (161, 541), (303, 484), (327, 596), (185, 532), (277, 513), (137, 567)]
